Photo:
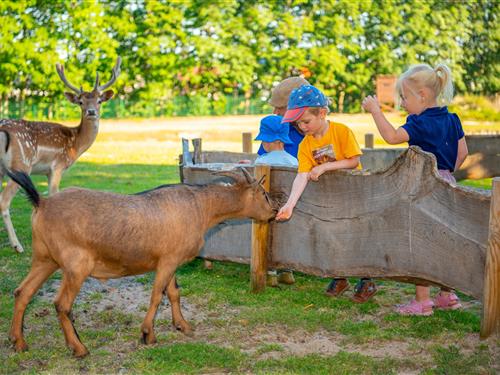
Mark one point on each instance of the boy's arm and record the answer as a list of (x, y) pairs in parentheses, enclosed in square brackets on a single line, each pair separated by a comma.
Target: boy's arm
[(318, 170), (461, 153), (387, 131), (299, 184)]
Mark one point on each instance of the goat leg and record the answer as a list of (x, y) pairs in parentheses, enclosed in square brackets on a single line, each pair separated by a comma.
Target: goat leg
[(164, 275), (70, 287), (175, 302), (40, 271)]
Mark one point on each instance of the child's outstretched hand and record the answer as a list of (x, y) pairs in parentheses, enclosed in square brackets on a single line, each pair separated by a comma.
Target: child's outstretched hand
[(370, 104), (284, 213), (316, 172)]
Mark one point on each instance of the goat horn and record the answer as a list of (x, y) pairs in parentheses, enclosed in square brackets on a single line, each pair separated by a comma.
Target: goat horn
[(262, 179), (248, 176)]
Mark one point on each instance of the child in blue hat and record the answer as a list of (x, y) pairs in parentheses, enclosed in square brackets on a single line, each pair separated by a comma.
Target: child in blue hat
[(274, 136), (327, 146)]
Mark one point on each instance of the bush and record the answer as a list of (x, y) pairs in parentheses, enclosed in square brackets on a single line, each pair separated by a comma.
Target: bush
[(471, 107)]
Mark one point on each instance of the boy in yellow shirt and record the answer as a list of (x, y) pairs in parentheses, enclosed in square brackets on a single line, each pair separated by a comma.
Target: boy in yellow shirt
[(327, 146)]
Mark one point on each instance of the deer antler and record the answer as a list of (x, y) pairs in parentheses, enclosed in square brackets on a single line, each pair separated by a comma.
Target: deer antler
[(60, 72), (114, 75)]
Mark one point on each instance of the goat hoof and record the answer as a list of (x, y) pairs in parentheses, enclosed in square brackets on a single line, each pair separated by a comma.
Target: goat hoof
[(148, 339), (184, 328), (80, 353), (20, 346)]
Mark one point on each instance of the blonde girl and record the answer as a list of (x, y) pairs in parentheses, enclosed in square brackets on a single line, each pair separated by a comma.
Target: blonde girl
[(424, 93)]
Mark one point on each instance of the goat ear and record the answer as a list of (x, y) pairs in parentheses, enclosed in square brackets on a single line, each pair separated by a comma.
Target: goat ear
[(233, 175)]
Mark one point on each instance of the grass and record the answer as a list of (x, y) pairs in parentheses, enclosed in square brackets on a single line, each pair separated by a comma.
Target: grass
[(292, 329)]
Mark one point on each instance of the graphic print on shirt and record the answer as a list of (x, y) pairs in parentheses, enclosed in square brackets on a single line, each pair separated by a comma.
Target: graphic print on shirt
[(324, 154)]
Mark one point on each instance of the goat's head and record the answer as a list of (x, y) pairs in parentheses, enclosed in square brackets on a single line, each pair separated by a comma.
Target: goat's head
[(257, 203), (90, 102)]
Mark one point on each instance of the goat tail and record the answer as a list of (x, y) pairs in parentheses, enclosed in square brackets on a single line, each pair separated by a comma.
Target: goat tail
[(23, 180)]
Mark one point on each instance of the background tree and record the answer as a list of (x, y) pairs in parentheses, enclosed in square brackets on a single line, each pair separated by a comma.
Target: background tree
[(199, 57)]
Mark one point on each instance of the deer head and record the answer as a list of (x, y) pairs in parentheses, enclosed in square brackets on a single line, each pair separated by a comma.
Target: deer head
[(90, 102)]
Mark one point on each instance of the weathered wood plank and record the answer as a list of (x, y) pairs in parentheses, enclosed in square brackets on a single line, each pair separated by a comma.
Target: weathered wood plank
[(483, 160), (402, 223), (491, 300), (260, 234), (247, 142)]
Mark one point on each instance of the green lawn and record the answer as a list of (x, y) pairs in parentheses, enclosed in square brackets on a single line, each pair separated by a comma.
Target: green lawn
[(290, 329)]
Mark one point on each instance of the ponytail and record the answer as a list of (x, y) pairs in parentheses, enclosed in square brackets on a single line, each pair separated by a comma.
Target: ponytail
[(444, 80)]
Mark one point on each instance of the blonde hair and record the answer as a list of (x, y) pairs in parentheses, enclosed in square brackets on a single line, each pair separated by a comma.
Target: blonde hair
[(438, 80), (315, 110)]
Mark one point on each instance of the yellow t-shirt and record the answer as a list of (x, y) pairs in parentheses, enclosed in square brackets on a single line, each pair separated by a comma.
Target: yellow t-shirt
[(338, 143)]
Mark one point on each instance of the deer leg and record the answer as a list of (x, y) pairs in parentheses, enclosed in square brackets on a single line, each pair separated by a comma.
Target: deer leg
[(70, 286), (54, 178), (163, 276), (40, 271), (6, 197), (175, 302)]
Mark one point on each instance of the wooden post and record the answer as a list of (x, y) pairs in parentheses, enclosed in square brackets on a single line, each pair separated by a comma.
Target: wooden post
[(260, 231), (247, 142), (491, 299), (197, 150), (186, 156), (369, 141)]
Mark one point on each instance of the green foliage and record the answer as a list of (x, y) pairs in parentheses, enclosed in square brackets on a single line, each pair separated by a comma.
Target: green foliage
[(201, 56), (470, 107)]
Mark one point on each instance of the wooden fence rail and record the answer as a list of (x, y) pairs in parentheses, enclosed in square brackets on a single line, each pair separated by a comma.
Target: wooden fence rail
[(402, 223)]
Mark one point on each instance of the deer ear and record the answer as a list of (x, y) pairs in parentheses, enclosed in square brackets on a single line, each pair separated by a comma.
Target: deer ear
[(73, 98), (106, 95)]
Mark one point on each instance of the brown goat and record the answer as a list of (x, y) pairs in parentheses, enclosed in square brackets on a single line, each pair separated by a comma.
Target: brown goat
[(106, 235)]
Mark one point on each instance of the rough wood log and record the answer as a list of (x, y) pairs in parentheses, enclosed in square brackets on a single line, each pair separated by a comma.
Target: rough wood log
[(491, 300), (260, 233), (403, 223)]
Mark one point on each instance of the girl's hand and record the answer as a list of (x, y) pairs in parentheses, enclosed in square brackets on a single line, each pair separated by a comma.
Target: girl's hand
[(284, 213), (316, 172), (370, 104)]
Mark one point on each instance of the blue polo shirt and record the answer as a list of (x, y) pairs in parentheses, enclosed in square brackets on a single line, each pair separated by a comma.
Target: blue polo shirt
[(292, 148), (437, 131)]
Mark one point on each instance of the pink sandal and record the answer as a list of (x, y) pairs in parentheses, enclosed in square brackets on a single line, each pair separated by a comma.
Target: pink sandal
[(447, 301), (416, 308)]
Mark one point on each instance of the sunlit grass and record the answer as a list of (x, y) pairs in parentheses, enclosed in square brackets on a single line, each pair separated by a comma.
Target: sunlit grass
[(133, 156)]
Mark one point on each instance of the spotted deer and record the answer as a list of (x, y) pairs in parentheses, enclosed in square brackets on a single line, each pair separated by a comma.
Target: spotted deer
[(48, 148)]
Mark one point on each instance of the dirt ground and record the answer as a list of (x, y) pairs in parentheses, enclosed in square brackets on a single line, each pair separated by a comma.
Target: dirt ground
[(129, 296)]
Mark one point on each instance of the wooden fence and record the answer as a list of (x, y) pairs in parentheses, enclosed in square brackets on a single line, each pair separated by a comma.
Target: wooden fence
[(402, 223)]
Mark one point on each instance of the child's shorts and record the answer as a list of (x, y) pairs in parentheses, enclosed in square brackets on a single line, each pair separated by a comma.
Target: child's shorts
[(446, 174)]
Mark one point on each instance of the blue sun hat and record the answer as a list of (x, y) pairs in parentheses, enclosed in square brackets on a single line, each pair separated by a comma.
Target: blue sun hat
[(272, 129), (304, 97)]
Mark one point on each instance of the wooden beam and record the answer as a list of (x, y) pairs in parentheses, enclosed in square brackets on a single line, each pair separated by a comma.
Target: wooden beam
[(247, 142), (260, 233), (197, 150), (369, 142), (491, 300), (186, 156)]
